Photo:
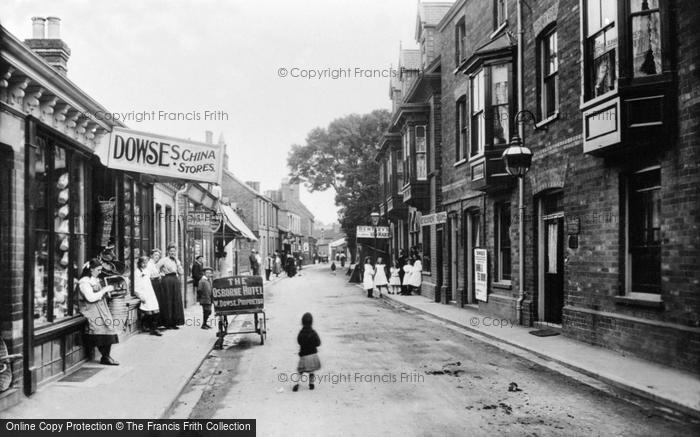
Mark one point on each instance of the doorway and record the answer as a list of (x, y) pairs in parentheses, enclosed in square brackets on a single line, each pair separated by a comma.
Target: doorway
[(438, 270), (550, 258), (471, 237), (454, 258)]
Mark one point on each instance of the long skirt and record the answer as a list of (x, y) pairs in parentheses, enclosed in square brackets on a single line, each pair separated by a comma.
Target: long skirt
[(160, 296), (100, 329), (172, 313)]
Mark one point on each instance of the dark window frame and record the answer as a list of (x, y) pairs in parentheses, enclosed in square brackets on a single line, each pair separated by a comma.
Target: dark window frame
[(461, 129), (544, 75), (503, 271)]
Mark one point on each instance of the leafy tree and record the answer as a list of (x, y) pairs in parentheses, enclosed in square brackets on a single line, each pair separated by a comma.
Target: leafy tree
[(341, 157)]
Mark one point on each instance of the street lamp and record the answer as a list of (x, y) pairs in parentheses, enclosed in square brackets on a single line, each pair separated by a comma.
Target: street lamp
[(517, 159), (374, 217)]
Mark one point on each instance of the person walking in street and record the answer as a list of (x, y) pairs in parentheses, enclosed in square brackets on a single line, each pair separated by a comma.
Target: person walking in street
[(197, 272), (291, 266), (368, 277), (92, 303), (254, 266), (172, 312), (380, 280), (204, 295), (155, 275), (258, 261), (143, 289), (308, 341), (342, 260), (278, 264), (333, 267), (269, 262), (395, 279)]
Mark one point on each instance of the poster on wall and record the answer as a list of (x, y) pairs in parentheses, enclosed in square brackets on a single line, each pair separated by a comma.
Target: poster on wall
[(481, 274)]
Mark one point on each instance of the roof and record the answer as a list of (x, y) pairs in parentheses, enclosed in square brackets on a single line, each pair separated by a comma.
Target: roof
[(233, 177), (235, 222), (409, 59), (430, 14)]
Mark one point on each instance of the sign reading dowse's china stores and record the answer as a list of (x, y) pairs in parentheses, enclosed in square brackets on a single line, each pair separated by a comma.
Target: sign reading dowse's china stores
[(148, 153)]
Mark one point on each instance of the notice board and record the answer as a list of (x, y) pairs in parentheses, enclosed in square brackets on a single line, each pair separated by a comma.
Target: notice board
[(237, 294)]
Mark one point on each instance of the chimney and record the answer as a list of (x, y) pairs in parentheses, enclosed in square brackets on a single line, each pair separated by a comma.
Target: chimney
[(254, 185), (222, 143), (209, 137), (46, 42)]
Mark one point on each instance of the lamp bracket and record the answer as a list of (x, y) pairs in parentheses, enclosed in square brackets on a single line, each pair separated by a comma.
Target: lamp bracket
[(526, 116)]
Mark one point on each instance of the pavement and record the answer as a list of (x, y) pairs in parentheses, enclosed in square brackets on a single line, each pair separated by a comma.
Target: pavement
[(152, 373), (671, 387)]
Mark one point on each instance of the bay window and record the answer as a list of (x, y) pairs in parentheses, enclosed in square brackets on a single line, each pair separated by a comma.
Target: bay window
[(415, 163), (407, 155), (646, 37), (476, 97), (421, 151), (500, 104), (601, 47), (461, 129)]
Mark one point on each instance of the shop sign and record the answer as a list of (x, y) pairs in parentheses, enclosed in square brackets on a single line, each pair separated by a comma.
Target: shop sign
[(433, 219), (365, 232), (481, 274), (383, 232), (164, 156), (236, 293), (201, 219)]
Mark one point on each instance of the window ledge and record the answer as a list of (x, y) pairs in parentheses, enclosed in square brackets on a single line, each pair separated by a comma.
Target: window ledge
[(460, 162), (499, 29), (650, 301), (585, 105), (502, 285), (546, 121), (476, 157)]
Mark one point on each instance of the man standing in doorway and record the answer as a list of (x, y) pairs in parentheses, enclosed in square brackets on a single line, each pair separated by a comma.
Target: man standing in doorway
[(197, 271)]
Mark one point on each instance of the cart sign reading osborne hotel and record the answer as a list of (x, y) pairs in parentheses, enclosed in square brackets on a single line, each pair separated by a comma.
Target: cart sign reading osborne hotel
[(148, 153), (236, 293)]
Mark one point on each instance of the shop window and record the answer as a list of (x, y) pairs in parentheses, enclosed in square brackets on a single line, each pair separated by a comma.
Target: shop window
[(646, 37), (461, 129), (643, 233), (600, 60), (548, 84), (426, 249), (60, 234), (502, 264)]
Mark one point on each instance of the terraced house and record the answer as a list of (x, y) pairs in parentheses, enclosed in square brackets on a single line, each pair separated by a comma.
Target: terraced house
[(605, 95)]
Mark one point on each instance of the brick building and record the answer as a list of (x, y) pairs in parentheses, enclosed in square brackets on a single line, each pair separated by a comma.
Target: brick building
[(295, 221), (610, 111)]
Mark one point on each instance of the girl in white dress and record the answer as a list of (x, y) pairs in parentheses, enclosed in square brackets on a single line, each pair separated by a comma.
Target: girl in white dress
[(395, 279), (368, 277), (380, 280), (416, 275)]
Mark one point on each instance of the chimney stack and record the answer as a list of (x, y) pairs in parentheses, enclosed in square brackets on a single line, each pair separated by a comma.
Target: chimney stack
[(254, 185), (46, 42)]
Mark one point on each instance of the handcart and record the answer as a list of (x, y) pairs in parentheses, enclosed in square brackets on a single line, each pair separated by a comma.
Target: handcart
[(237, 295)]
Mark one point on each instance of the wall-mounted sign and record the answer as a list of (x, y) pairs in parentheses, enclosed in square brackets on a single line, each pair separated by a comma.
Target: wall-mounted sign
[(202, 219), (164, 156), (368, 232), (383, 232), (481, 274), (433, 219), (573, 225)]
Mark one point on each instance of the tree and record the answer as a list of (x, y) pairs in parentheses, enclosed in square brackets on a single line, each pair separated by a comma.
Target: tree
[(341, 157)]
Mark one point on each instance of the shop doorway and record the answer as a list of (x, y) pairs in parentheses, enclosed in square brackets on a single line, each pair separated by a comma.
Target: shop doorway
[(454, 258), (438, 270), (471, 237), (551, 258)]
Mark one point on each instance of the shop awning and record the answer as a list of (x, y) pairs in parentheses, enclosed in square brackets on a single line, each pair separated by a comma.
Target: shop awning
[(232, 220)]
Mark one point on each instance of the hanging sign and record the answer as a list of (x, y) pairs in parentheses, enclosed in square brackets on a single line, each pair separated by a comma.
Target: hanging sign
[(433, 219), (481, 274), (164, 156), (383, 232), (365, 232)]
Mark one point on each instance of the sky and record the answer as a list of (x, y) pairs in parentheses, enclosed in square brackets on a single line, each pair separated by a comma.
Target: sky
[(249, 63)]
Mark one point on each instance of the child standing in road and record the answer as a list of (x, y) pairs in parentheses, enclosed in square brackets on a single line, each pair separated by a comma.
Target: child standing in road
[(309, 342), (333, 267)]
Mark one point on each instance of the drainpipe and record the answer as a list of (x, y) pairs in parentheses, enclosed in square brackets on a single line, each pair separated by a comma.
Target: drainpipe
[(521, 204)]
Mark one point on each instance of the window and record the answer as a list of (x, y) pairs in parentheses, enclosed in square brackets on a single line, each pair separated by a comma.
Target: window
[(399, 168), (460, 42), (421, 150), (407, 155), (476, 97), (169, 225), (549, 74), (461, 129), (58, 190), (500, 104), (159, 227), (502, 242), (500, 12), (426, 249), (646, 37), (643, 236), (601, 46)]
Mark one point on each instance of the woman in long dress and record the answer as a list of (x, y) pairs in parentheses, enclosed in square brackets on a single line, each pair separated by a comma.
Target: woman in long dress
[(92, 303), (155, 276), (380, 280), (172, 312), (368, 277)]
